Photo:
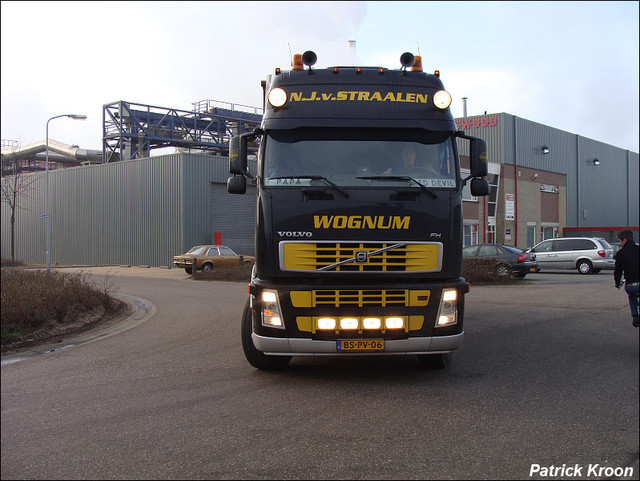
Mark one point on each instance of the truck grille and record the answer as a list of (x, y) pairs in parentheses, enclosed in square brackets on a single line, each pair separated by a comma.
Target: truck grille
[(360, 298), (379, 257)]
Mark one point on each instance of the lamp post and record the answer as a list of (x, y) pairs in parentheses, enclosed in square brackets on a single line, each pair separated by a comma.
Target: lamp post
[(46, 218)]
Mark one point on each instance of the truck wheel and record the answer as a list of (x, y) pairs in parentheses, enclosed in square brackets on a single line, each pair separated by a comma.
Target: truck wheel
[(256, 358), (187, 270), (585, 267), (434, 361)]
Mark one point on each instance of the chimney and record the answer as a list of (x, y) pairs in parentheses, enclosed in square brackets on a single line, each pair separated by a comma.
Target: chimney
[(351, 47)]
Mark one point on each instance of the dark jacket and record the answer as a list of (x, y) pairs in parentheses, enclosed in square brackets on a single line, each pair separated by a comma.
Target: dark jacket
[(627, 262)]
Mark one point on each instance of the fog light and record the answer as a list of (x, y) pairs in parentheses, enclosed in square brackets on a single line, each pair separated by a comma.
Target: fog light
[(326, 323), (394, 322), (371, 323), (349, 323)]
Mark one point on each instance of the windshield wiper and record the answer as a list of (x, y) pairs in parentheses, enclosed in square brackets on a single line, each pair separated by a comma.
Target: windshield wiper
[(311, 177), (399, 177)]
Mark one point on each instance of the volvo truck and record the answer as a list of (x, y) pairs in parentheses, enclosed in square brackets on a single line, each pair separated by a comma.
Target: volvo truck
[(358, 228)]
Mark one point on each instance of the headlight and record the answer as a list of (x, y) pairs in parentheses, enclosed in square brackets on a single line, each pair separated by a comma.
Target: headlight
[(271, 314), (277, 97), (442, 99), (448, 311)]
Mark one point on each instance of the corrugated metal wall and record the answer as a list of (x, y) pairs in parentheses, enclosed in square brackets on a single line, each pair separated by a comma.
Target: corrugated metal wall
[(600, 196), (143, 212), (139, 212), (234, 217)]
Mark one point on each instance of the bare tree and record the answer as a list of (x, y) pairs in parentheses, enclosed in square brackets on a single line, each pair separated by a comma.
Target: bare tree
[(14, 188)]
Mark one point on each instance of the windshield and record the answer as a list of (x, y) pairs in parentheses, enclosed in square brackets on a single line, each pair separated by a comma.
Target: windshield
[(355, 159)]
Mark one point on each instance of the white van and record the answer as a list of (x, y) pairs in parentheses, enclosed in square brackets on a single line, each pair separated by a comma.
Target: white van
[(587, 254)]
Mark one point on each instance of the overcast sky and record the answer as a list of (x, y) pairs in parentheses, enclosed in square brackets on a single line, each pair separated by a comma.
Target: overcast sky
[(569, 65)]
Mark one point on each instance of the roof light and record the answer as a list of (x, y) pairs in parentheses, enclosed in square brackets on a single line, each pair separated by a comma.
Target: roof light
[(442, 99), (297, 62), (358, 70), (381, 70), (335, 69), (437, 73), (277, 97), (417, 64)]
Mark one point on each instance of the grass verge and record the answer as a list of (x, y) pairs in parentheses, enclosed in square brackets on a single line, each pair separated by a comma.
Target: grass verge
[(37, 305), (239, 273)]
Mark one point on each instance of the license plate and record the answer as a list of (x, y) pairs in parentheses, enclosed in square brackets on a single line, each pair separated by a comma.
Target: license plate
[(532, 269), (361, 345)]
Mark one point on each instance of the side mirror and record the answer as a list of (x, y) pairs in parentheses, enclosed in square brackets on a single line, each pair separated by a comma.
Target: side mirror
[(479, 187), (238, 155), (237, 184), (478, 154)]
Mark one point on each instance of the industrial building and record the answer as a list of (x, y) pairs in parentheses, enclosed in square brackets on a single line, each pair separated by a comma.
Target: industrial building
[(133, 209)]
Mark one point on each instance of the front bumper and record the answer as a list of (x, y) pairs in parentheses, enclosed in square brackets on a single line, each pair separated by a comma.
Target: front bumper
[(312, 347)]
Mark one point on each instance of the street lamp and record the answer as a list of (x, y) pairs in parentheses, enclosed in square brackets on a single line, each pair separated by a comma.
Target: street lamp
[(46, 215)]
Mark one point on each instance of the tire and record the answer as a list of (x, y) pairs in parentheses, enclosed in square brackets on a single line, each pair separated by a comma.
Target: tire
[(208, 267), (256, 358), (584, 267), (519, 275), (434, 361), (187, 270)]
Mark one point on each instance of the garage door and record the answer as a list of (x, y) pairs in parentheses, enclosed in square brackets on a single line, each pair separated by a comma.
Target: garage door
[(234, 217)]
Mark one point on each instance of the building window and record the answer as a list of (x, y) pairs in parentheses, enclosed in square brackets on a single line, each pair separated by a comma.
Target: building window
[(491, 234), (493, 194), (470, 234), (531, 235), (549, 232), (466, 190)]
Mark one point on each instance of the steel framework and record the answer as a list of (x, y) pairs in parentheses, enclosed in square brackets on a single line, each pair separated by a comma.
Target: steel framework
[(132, 131)]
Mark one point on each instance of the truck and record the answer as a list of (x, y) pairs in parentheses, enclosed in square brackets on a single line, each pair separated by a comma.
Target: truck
[(358, 229)]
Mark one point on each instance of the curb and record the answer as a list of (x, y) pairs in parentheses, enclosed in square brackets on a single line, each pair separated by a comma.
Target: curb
[(143, 310)]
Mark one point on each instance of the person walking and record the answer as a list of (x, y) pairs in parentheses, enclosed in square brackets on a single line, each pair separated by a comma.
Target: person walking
[(627, 264)]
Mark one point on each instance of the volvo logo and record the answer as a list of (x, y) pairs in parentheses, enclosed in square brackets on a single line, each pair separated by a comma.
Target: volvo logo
[(288, 233), (361, 257)]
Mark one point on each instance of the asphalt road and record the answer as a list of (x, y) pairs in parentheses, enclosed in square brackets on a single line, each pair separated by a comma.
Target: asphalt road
[(547, 376)]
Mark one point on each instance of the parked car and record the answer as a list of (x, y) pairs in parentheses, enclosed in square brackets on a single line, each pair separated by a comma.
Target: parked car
[(616, 247), (507, 260), (208, 257), (587, 254)]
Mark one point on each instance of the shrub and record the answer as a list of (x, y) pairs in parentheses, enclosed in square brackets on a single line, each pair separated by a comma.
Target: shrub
[(483, 271), (36, 300), (239, 273)]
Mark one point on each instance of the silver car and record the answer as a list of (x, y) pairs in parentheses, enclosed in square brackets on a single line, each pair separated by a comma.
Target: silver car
[(587, 254)]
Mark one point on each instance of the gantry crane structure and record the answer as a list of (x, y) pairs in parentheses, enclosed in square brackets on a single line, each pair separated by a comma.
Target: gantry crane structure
[(132, 131)]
